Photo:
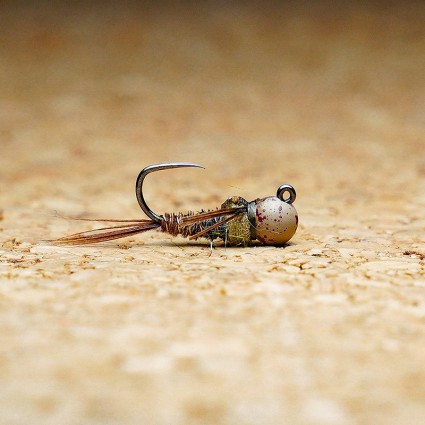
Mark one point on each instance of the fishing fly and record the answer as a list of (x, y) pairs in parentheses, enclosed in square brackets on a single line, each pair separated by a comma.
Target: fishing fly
[(271, 221)]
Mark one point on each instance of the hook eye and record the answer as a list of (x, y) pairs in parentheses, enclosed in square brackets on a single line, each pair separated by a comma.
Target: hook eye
[(150, 169), (286, 188)]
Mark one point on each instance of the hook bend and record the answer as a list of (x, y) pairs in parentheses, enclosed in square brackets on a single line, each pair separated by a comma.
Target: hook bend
[(150, 169)]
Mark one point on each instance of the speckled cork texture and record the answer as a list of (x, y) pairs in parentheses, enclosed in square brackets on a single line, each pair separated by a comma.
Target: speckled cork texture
[(327, 97)]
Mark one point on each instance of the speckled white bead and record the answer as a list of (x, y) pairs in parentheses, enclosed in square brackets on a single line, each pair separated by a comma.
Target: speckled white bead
[(276, 221)]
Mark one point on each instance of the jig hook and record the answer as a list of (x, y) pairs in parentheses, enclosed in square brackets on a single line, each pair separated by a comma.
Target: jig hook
[(141, 177)]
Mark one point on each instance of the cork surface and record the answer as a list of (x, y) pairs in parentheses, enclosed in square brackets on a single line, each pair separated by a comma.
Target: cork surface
[(154, 330)]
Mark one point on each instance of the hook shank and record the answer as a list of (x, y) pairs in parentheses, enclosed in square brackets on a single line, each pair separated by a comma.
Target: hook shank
[(141, 177)]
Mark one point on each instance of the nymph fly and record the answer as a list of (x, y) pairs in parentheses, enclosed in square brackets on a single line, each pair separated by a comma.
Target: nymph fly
[(272, 220)]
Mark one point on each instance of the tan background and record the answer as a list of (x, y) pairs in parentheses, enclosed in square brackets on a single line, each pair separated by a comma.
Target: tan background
[(152, 330)]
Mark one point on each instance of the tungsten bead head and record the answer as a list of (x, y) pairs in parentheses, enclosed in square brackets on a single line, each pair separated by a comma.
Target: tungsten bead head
[(276, 221)]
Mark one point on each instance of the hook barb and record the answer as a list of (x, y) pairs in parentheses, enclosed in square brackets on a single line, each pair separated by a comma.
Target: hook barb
[(150, 169)]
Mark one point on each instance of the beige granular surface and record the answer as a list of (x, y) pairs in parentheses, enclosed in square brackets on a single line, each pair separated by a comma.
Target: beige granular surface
[(154, 330)]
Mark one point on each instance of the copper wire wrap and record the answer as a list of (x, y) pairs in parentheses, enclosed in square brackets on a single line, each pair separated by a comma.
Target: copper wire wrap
[(173, 224)]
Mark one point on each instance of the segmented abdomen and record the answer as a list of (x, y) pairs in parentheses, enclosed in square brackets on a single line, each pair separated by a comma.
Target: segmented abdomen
[(173, 224)]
